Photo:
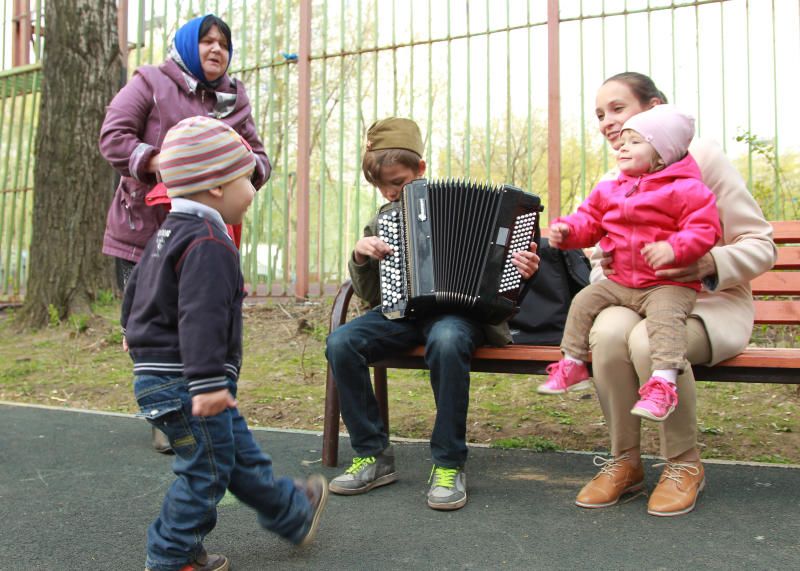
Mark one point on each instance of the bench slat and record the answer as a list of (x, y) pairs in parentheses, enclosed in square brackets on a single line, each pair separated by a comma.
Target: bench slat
[(788, 258), (786, 231), (780, 312), (777, 283), (751, 357)]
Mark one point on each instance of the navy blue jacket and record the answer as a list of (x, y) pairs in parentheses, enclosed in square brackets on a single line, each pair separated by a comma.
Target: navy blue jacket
[(182, 310)]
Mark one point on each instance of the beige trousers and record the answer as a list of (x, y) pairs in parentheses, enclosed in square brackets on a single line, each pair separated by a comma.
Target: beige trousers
[(621, 363), (666, 308)]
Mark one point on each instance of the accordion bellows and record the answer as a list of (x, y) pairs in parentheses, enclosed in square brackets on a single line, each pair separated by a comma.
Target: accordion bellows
[(453, 241)]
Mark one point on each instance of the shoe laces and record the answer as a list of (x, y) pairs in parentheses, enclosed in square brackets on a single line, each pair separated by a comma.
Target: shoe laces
[(359, 462), (660, 391), (444, 477), (558, 371), (676, 471), (609, 465)]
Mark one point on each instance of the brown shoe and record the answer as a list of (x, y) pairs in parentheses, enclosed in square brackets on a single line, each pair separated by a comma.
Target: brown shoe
[(160, 442), (616, 478), (316, 489), (677, 489)]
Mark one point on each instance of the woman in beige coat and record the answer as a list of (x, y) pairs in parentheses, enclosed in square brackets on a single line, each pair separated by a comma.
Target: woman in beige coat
[(719, 328)]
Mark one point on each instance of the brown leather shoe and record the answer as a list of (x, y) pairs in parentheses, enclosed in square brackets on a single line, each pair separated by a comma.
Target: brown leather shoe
[(677, 489), (616, 477), (161, 442)]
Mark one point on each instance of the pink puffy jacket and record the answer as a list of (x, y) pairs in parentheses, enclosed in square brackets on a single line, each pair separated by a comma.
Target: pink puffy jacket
[(625, 214)]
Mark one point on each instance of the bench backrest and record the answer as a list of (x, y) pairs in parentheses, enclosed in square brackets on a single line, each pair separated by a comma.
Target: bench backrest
[(783, 281)]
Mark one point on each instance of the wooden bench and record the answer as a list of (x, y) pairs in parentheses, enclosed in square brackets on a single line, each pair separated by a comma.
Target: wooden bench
[(754, 365)]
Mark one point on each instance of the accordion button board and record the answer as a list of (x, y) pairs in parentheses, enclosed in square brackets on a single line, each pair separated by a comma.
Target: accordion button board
[(453, 243), (393, 283)]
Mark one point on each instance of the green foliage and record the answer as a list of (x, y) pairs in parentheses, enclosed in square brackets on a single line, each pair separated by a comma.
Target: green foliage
[(563, 417), (772, 459), (711, 430), (55, 318), (773, 178), (535, 443), (79, 322), (105, 299)]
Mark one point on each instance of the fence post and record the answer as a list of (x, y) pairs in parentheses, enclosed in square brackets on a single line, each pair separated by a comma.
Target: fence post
[(21, 33), (553, 113), (303, 149)]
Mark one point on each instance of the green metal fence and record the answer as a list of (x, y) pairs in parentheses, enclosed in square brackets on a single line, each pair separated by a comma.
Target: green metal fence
[(478, 78), (19, 103)]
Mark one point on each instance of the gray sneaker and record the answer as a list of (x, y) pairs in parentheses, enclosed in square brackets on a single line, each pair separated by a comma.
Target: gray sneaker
[(365, 473), (448, 488)]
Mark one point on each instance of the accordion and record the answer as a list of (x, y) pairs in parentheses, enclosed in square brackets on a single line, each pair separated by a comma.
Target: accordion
[(452, 245)]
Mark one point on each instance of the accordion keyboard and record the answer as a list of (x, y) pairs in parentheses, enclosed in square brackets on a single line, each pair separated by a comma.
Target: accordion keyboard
[(392, 273), (521, 237)]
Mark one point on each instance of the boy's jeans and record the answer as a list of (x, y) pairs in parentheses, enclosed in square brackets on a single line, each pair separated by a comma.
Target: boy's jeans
[(212, 454), (449, 342)]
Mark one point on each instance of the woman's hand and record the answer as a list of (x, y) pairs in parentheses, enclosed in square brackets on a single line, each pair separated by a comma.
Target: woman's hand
[(371, 247), (605, 262), (213, 403), (526, 261), (558, 233), (702, 268)]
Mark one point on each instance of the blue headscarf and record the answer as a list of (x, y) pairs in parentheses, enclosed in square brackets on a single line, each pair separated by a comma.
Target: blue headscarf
[(187, 44)]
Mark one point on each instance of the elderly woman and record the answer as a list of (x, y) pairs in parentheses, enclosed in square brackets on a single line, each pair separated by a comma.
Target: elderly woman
[(193, 80), (719, 327)]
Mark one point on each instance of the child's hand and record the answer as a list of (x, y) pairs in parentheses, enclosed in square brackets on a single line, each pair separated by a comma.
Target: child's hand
[(211, 404), (124, 344), (371, 247), (526, 261), (558, 233), (658, 254)]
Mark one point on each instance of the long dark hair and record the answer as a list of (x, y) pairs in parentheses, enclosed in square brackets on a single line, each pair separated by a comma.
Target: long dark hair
[(642, 87)]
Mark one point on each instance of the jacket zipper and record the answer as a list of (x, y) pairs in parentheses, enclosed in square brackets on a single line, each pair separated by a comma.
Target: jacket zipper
[(635, 186), (634, 269)]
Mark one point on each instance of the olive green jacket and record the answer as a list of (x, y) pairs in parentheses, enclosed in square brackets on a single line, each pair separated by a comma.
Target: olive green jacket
[(366, 284)]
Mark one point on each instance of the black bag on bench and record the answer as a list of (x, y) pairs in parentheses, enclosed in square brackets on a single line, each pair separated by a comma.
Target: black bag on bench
[(546, 298)]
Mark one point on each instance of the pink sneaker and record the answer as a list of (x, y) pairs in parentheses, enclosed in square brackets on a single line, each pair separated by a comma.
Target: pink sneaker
[(565, 376), (659, 399)]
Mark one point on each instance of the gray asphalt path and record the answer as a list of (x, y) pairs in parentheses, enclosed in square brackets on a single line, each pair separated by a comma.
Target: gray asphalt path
[(77, 491)]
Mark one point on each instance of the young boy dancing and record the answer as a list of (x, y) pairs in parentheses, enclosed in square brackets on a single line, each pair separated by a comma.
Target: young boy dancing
[(182, 317), (393, 158)]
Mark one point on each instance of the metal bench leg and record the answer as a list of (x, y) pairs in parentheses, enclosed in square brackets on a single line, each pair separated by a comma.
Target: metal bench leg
[(381, 395), (330, 430)]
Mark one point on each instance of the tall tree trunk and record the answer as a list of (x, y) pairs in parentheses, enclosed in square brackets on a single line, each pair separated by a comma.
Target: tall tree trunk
[(72, 181)]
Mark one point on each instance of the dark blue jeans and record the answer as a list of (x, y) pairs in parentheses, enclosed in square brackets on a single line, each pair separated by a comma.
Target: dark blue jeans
[(212, 454), (449, 343)]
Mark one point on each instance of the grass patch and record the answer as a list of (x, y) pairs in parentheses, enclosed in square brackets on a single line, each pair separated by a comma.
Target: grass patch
[(535, 443)]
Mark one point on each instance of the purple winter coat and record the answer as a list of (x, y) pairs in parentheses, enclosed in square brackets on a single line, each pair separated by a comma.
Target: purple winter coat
[(136, 122)]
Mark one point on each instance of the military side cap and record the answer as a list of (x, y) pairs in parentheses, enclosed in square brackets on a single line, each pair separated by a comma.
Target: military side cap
[(395, 133)]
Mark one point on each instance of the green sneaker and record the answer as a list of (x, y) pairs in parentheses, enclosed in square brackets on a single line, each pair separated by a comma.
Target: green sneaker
[(448, 488), (365, 473)]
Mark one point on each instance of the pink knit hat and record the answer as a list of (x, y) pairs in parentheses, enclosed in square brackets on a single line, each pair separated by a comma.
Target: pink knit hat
[(200, 153), (665, 127)]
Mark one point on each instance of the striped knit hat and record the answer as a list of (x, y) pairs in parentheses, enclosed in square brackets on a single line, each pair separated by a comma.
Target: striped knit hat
[(201, 153)]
